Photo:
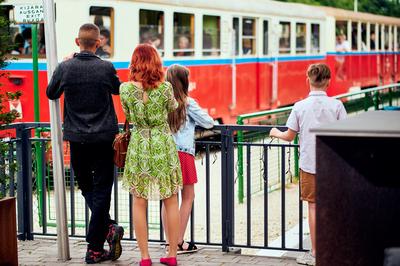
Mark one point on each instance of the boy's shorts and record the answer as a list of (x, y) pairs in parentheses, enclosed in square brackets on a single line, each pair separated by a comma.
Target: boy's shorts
[(307, 186)]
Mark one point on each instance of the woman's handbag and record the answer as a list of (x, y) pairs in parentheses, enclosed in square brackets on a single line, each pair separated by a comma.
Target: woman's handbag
[(120, 146)]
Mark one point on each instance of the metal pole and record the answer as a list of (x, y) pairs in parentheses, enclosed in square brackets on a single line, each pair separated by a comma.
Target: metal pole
[(38, 152), (56, 136), (355, 5)]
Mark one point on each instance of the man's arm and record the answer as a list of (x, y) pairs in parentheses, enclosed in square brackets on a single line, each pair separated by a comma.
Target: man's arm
[(287, 135), (54, 90)]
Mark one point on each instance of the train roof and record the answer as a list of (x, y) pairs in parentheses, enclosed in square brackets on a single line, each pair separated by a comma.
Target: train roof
[(343, 14), (249, 6)]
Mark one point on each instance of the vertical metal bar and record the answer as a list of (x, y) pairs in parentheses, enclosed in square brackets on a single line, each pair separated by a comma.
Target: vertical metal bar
[(240, 138), (224, 192), (207, 193), (283, 184), (130, 216), (192, 224), (44, 188), (56, 135), (300, 220), (296, 157), (2, 175), (24, 189), (376, 100), (86, 218), (231, 187), (248, 193), (11, 160), (265, 196), (161, 223), (72, 194), (116, 193), (390, 96)]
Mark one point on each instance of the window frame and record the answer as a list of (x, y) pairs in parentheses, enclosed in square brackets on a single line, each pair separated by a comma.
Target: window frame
[(287, 51), (296, 49), (253, 37), (192, 35), (219, 49), (318, 51), (112, 26), (161, 51)]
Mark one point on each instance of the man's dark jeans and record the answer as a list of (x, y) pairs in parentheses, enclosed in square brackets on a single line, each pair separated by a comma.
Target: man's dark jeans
[(94, 170)]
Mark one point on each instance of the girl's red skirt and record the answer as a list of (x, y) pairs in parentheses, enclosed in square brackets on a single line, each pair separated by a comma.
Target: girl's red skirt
[(188, 167)]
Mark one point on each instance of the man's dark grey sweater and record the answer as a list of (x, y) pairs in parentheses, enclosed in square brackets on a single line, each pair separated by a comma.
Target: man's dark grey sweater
[(87, 83)]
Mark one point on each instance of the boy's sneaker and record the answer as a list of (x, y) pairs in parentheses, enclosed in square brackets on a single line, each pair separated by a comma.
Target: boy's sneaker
[(93, 257), (306, 259), (114, 236)]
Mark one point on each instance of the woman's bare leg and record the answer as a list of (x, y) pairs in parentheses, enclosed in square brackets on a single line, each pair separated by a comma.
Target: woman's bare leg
[(140, 224), (172, 218)]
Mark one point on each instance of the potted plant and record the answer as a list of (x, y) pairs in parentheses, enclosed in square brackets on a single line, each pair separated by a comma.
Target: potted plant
[(8, 230)]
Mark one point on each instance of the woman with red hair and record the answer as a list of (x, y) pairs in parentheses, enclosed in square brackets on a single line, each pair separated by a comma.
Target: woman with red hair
[(152, 170)]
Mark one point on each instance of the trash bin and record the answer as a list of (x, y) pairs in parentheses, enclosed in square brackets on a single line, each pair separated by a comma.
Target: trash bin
[(358, 189)]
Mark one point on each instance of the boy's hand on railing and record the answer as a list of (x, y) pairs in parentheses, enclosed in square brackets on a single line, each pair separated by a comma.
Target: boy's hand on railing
[(274, 133)]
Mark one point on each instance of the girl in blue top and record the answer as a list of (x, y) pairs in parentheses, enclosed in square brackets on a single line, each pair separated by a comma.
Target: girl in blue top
[(182, 123)]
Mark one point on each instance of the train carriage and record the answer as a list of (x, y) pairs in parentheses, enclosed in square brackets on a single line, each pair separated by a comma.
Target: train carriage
[(244, 56)]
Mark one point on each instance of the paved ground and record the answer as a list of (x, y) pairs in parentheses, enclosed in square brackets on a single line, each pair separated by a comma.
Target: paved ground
[(43, 251)]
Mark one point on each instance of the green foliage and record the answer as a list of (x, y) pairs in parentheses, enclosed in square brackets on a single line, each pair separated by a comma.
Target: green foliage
[(6, 117), (381, 7)]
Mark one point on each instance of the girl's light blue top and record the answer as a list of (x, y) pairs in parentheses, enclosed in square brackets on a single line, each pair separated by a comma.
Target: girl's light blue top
[(195, 116)]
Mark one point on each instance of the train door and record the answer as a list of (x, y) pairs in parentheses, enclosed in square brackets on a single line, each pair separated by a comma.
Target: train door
[(385, 57)]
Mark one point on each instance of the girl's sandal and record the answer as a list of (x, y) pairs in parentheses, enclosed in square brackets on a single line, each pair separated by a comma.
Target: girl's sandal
[(190, 247)]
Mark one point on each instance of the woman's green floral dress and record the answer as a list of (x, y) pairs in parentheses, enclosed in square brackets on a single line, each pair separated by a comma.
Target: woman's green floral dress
[(152, 169)]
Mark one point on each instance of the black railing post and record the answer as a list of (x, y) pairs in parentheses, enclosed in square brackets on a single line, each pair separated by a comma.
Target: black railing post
[(227, 188), (24, 184)]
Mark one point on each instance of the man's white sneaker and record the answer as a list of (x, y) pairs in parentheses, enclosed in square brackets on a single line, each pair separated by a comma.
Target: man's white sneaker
[(306, 259)]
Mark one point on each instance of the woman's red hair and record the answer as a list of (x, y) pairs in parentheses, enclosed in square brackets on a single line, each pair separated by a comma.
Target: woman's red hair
[(146, 67)]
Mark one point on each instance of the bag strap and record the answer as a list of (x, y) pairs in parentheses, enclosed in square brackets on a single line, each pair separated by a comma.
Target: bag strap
[(126, 126)]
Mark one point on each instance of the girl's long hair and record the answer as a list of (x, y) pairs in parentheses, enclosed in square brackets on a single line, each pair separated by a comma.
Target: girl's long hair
[(146, 67), (178, 76)]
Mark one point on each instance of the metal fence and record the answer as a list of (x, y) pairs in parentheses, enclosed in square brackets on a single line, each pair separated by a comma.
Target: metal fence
[(217, 218)]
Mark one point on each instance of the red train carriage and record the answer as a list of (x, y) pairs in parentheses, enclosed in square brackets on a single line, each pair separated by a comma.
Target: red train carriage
[(244, 56)]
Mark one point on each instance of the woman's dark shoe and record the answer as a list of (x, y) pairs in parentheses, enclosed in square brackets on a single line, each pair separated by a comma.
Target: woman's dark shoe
[(171, 261)]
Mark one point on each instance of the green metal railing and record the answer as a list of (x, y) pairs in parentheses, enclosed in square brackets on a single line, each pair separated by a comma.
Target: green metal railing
[(362, 100)]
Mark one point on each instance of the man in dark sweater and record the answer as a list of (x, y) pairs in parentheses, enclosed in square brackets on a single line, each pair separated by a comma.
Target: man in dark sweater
[(90, 125)]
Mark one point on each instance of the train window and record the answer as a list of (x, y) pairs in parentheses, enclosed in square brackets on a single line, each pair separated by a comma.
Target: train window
[(183, 34), (301, 33), (354, 36), (211, 35), (342, 45), (236, 34), (386, 38), (22, 36), (372, 37), (284, 37), (249, 36), (315, 41), (265, 33), (364, 37), (103, 17), (151, 28)]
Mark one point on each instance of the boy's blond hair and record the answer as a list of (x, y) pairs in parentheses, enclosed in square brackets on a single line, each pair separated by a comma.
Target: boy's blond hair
[(319, 75)]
